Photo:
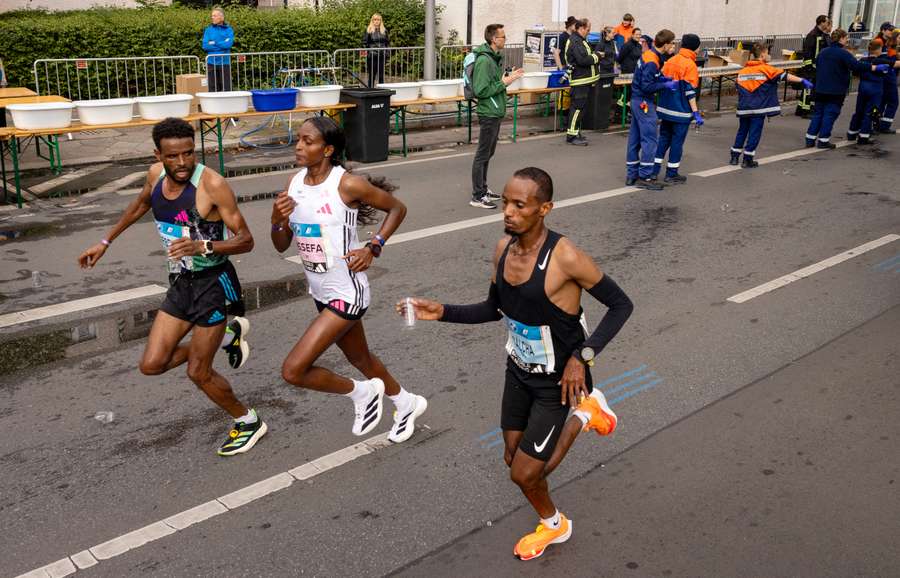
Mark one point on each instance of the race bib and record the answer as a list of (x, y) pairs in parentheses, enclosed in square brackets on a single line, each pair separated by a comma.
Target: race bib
[(531, 348), (170, 233), (312, 247)]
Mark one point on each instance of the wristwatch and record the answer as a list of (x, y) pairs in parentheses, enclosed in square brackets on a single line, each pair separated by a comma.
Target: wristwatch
[(207, 247), (587, 354)]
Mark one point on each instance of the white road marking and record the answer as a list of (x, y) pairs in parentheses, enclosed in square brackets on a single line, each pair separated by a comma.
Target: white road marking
[(207, 510), (79, 305), (815, 268), (767, 160), (61, 180)]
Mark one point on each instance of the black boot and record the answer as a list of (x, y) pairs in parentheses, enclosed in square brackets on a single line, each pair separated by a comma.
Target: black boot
[(735, 159), (749, 163), (630, 181), (852, 137), (648, 185), (864, 140), (675, 179), (826, 145)]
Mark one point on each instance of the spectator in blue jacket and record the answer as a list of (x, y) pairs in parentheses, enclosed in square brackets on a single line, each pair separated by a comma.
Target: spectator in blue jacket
[(218, 38), (833, 68)]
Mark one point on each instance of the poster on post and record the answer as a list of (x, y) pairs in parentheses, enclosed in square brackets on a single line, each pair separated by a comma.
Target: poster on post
[(533, 53), (551, 43)]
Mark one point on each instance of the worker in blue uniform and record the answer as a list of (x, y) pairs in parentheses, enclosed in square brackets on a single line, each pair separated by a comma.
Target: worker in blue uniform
[(833, 68), (868, 98), (889, 98), (642, 137)]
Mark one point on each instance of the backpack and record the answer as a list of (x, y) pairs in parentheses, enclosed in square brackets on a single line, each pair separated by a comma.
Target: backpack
[(468, 68)]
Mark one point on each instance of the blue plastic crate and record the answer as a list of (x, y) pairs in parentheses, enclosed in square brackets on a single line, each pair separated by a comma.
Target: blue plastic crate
[(272, 99), (557, 79)]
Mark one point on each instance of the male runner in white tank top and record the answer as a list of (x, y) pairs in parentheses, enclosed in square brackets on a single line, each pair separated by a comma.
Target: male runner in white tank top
[(320, 209)]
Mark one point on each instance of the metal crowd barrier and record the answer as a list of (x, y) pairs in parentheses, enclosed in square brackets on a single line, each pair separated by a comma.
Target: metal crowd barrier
[(249, 70), (451, 56), (365, 66), (96, 78)]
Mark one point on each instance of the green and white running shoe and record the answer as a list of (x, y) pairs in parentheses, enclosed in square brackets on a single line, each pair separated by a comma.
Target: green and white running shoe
[(243, 437), (235, 341)]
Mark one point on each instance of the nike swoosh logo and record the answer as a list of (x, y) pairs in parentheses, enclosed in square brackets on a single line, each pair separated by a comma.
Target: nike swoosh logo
[(540, 448), (543, 265)]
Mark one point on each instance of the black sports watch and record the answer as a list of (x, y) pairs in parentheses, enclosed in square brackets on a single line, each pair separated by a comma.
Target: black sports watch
[(586, 355), (375, 248), (207, 247)]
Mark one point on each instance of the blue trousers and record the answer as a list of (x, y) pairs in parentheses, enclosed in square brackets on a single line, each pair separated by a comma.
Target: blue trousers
[(642, 140), (867, 102), (750, 129), (889, 101), (824, 115), (671, 139)]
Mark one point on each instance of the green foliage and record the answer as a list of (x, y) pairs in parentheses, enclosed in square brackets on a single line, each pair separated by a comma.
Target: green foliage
[(29, 35)]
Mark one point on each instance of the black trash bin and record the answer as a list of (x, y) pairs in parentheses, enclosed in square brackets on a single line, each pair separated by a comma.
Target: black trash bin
[(368, 124), (596, 115)]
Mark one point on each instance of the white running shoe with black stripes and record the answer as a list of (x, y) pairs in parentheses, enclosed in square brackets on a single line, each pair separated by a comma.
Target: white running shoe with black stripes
[(368, 411), (405, 422)]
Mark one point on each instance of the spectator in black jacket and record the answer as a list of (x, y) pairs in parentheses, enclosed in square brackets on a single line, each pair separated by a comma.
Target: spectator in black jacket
[(817, 40), (376, 37), (630, 53), (609, 51)]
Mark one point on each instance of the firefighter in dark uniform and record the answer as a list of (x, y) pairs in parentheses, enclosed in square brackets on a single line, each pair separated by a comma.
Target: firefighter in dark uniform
[(817, 40), (582, 66)]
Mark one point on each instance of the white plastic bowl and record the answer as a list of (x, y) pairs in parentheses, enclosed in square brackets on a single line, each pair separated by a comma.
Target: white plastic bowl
[(160, 107), (535, 80), (434, 89), (514, 85), (229, 102), (37, 116), (320, 96), (106, 111), (403, 91)]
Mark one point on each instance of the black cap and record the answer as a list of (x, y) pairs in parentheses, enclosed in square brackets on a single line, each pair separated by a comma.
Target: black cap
[(887, 26), (690, 41)]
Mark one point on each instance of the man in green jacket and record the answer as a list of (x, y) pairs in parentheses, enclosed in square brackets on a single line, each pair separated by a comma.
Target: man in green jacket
[(489, 85)]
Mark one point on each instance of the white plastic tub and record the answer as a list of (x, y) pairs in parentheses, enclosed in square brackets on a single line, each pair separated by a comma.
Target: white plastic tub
[(160, 107), (106, 111), (229, 102), (320, 96), (535, 80), (434, 89), (403, 91), (514, 85), (37, 116)]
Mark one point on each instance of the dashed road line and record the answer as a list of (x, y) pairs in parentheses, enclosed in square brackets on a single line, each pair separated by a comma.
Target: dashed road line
[(38, 313), (61, 180), (767, 160), (814, 268)]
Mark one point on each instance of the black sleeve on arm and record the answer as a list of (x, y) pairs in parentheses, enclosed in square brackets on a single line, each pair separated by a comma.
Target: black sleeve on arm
[(477, 312), (620, 307)]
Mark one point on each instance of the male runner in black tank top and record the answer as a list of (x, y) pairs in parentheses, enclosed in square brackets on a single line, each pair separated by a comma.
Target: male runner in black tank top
[(192, 206), (536, 289)]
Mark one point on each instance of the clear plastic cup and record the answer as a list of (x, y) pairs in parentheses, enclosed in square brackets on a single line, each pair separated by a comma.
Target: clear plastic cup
[(409, 313)]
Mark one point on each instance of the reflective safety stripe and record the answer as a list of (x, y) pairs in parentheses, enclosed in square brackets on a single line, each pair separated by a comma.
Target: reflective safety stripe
[(749, 153), (583, 81), (658, 161), (886, 119), (631, 162), (824, 139), (759, 111), (752, 76), (852, 132), (674, 112), (673, 165), (734, 150), (572, 130), (864, 135), (647, 164), (810, 136)]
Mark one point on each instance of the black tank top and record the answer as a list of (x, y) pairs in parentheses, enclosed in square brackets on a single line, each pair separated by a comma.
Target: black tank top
[(542, 336)]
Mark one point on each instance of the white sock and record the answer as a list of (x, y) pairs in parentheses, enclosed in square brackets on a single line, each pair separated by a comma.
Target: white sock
[(251, 417), (584, 416), (402, 400), (553, 522), (361, 390)]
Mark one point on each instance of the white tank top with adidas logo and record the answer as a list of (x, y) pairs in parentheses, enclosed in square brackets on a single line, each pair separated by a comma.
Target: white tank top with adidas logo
[(325, 230)]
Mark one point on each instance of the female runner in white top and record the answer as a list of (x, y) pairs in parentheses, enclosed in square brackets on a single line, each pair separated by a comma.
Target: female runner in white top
[(320, 209)]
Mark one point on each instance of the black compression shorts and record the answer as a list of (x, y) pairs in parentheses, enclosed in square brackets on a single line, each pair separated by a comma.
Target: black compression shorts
[(206, 297)]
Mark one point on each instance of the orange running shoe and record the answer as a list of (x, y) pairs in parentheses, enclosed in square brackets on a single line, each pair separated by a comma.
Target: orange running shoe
[(533, 545), (603, 420)]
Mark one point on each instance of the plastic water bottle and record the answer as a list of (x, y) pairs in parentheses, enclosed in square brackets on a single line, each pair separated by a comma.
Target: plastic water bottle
[(105, 416), (409, 311), (36, 279)]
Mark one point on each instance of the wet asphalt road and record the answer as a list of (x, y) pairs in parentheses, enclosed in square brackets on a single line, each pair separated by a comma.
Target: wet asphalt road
[(71, 482)]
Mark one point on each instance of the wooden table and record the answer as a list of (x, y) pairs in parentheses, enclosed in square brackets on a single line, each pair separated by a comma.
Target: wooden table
[(398, 109), (14, 91), (208, 123)]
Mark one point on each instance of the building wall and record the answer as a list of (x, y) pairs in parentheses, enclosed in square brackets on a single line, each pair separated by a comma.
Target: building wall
[(703, 17)]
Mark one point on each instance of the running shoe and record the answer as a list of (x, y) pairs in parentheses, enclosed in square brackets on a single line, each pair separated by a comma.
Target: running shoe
[(492, 196), (368, 411), (603, 420), (533, 545), (405, 423), (483, 203), (236, 342), (243, 437)]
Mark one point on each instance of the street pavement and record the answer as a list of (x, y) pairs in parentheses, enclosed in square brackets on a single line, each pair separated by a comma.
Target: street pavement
[(755, 438)]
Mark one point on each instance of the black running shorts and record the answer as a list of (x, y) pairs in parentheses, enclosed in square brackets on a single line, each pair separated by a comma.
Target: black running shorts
[(204, 298), (340, 308), (531, 404)]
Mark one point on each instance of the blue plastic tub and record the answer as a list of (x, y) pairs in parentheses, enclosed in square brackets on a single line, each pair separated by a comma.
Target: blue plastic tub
[(557, 79), (593, 38), (272, 99)]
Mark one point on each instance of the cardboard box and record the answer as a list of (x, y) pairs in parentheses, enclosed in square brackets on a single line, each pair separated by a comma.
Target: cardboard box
[(739, 56), (716, 61), (191, 84)]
